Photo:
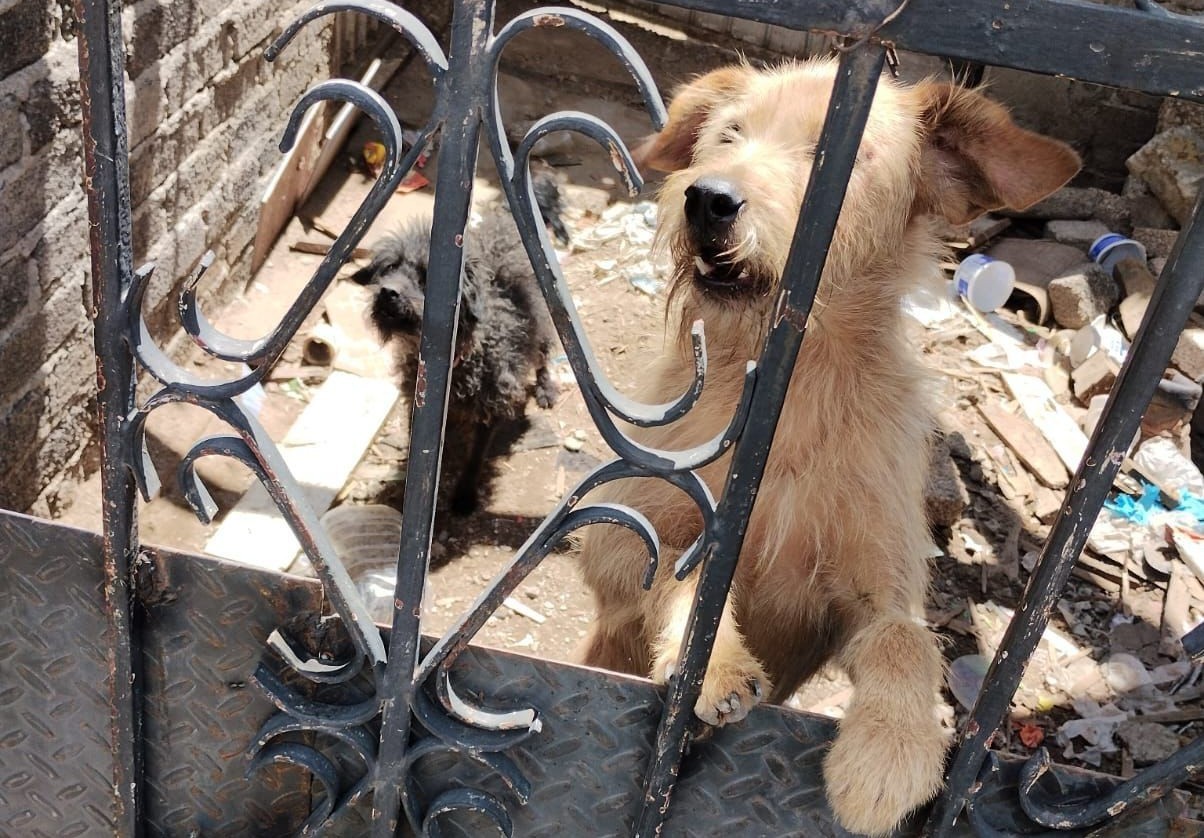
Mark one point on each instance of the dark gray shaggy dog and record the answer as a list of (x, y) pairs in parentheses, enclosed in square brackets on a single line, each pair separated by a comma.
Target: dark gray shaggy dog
[(504, 335)]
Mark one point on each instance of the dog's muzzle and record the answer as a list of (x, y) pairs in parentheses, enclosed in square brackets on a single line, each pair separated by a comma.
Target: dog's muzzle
[(712, 207)]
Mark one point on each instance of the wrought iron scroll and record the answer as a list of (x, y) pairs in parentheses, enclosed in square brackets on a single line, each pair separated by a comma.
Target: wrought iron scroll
[(401, 684), (449, 721), (345, 726)]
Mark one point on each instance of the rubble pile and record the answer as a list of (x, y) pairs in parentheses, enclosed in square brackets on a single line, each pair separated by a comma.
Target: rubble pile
[(1112, 685)]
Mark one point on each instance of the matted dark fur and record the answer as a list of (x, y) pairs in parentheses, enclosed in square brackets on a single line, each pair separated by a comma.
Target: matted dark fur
[(503, 342)]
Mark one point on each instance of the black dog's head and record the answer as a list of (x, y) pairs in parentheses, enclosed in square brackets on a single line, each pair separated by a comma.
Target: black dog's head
[(397, 276)]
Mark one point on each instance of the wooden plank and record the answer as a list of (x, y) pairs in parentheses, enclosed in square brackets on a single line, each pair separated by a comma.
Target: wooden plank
[(321, 450), (298, 174), (1023, 437), (1038, 403), (376, 77), (280, 195)]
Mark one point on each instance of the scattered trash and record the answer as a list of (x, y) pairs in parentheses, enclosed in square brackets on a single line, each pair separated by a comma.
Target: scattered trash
[(984, 283), (1109, 249), (965, 678), (523, 610), (1161, 461), (365, 538)]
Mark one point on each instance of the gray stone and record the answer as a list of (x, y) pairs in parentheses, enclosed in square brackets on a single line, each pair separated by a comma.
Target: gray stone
[(1188, 357), (1176, 112), (1076, 233), (1080, 295), (1076, 204), (1147, 742), (1172, 164), (1145, 210), (945, 495), (1157, 243)]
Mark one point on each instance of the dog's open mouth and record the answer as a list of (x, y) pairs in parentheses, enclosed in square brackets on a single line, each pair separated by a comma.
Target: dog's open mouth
[(720, 276)]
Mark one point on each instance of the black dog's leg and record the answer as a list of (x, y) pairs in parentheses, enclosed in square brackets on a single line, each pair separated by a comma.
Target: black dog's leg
[(546, 388), (468, 488)]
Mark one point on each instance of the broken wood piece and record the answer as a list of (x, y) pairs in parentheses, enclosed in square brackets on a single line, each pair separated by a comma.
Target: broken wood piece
[(1046, 504), (322, 248), (1038, 403), (1176, 619), (1094, 377), (318, 223), (254, 532), (1024, 438)]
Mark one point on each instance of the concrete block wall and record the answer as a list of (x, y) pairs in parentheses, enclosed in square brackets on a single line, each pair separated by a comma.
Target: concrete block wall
[(205, 114)]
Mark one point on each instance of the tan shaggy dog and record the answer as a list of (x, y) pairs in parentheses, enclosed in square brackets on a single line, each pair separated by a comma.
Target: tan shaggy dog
[(833, 565)]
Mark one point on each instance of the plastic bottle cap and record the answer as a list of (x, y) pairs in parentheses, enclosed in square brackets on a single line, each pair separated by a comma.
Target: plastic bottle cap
[(983, 282), (1110, 248)]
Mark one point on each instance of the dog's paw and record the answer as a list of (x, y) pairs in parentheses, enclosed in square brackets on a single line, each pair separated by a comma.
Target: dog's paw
[(876, 773), (546, 391), (729, 690)]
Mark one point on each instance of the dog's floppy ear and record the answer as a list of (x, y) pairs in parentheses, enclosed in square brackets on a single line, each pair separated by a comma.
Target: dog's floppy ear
[(673, 147), (975, 159)]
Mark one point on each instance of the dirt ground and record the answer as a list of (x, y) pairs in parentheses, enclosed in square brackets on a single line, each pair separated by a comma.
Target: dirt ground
[(979, 559)]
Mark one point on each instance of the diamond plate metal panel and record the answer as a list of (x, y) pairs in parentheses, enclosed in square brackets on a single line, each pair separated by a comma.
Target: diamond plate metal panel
[(205, 630), (206, 625), (56, 763)]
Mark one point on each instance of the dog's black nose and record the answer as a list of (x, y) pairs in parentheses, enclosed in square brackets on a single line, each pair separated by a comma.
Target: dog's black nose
[(712, 205)]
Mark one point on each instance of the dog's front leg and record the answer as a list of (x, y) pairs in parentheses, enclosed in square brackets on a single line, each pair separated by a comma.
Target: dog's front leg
[(735, 680), (889, 754)]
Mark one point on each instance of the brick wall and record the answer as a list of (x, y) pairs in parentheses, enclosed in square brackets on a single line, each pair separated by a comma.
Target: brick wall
[(205, 114)]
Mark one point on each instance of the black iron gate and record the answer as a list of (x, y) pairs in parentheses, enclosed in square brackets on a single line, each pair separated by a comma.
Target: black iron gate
[(174, 694)]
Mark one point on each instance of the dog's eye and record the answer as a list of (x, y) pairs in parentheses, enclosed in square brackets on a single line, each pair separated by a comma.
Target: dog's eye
[(730, 132)]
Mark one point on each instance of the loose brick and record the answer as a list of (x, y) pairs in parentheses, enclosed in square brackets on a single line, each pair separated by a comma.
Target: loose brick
[(1076, 204), (1094, 376), (1156, 242), (1145, 210), (1177, 112), (1075, 233), (1173, 165), (1189, 353), (1080, 295)]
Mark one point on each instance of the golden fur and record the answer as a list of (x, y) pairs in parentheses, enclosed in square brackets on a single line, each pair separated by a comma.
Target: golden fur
[(833, 565)]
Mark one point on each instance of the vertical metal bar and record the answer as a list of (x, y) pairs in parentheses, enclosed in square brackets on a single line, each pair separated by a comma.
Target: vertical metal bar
[(856, 83), (1178, 288), (106, 180), (460, 106)]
